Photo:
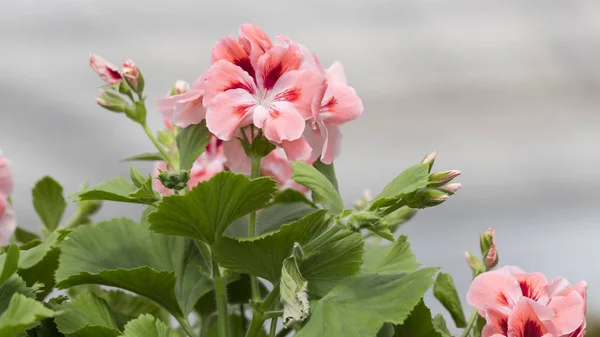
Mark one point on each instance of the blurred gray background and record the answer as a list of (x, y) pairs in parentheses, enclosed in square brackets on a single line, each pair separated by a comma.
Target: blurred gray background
[(506, 91)]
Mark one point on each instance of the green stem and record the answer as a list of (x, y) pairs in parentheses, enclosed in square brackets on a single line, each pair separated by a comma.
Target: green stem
[(256, 325), (159, 147), (185, 325), (284, 332), (221, 295), (470, 325), (273, 327), (252, 232)]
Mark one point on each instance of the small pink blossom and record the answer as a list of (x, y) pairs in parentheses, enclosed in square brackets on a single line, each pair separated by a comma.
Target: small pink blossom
[(131, 73), (185, 107), (8, 222), (277, 166), (107, 72), (334, 106), (507, 297)]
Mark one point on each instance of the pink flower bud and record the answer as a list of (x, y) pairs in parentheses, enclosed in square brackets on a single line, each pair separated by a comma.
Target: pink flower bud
[(6, 182), (167, 123), (451, 188), (131, 74), (488, 249), (180, 87), (443, 177), (429, 158), (107, 72)]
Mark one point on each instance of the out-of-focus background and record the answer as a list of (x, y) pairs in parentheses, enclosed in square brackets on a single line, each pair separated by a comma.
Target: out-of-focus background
[(507, 91)]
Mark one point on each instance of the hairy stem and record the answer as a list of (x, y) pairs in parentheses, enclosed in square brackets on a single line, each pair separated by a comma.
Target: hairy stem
[(252, 232), (160, 148), (471, 323), (273, 327), (256, 325), (221, 296)]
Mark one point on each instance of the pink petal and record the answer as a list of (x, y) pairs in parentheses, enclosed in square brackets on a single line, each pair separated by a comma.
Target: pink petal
[(299, 88), (8, 221), (223, 76), (497, 323), (494, 290), (337, 74), (276, 62), (229, 111), (237, 160), (558, 286), (340, 104), (6, 181), (277, 165), (107, 72), (315, 135), (569, 312), (333, 144), (298, 149), (279, 121), (534, 286), (183, 109), (254, 40), (200, 82), (523, 322), (229, 49), (511, 270)]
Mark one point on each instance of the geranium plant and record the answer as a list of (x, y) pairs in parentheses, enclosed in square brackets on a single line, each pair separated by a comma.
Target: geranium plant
[(244, 231)]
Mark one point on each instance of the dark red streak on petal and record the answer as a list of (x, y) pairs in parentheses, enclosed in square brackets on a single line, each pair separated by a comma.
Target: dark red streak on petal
[(114, 74), (241, 110), (246, 65), (274, 113), (529, 291), (502, 299), (329, 104), (240, 85), (272, 76), (503, 325), (533, 329), (289, 95)]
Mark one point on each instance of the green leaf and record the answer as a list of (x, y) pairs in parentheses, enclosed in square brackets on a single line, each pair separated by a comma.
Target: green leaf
[(291, 196), (33, 255), (439, 323), (25, 236), (328, 171), (49, 202), (358, 306), (121, 253), (323, 190), (14, 285), (294, 294), (410, 180), (126, 307), (22, 313), (390, 259), (207, 210), (146, 156), (418, 324), (136, 177), (191, 143), (42, 273), (47, 328), (88, 312), (116, 189), (445, 291), (146, 326), (9, 262)]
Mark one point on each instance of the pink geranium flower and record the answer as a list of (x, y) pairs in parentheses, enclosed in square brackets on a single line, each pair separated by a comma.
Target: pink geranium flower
[(185, 107), (252, 81), (499, 296), (8, 222), (107, 72), (337, 105)]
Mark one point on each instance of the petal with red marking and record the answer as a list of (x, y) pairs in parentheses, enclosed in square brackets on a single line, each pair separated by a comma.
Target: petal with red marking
[(494, 289), (497, 323), (299, 88), (340, 104), (523, 322), (279, 121), (229, 111), (276, 62), (534, 286), (223, 76), (254, 40)]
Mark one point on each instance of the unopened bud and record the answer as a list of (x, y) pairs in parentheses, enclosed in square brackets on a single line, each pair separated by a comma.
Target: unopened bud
[(429, 159), (450, 188), (133, 76), (137, 112), (107, 72), (487, 243), (360, 204), (441, 178), (476, 265), (174, 180), (111, 101), (432, 196), (180, 87)]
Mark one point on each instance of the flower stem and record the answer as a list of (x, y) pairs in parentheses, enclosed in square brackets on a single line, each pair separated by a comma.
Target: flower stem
[(185, 325), (273, 326), (256, 325), (159, 147), (252, 232), (221, 296), (471, 323)]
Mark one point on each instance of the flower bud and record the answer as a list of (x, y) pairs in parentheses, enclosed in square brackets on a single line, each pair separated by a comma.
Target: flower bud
[(133, 76), (476, 265), (429, 159), (174, 180), (441, 178), (450, 188), (361, 204), (180, 87), (137, 112), (111, 101), (107, 72), (487, 243)]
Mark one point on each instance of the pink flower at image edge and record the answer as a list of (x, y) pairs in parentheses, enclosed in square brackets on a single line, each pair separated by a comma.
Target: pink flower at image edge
[(8, 222)]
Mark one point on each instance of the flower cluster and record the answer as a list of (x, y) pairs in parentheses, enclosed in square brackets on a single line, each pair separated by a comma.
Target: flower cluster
[(278, 87), (518, 304), (8, 222)]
